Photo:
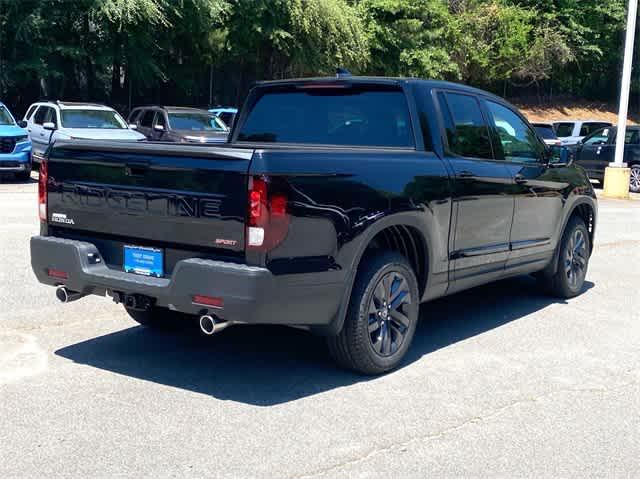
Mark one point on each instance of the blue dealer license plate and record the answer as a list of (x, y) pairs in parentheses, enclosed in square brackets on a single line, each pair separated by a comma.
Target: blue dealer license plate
[(145, 261)]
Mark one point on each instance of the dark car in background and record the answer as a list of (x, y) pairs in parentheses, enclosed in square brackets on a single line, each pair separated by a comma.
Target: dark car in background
[(179, 124), (597, 150)]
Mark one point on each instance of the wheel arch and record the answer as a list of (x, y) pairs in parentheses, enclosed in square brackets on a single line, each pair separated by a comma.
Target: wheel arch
[(405, 233), (586, 209)]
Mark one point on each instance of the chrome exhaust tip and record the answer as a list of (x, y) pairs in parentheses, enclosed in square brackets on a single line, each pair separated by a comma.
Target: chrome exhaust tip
[(65, 295), (207, 324), (210, 324)]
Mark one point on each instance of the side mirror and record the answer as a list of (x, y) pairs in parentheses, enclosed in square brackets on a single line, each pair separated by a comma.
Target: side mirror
[(158, 128), (22, 124), (49, 125), (560, 156), (133, 126)]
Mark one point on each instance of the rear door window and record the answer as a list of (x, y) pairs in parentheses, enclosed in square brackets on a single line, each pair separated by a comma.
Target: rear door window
[(467, 132), (341, 114)]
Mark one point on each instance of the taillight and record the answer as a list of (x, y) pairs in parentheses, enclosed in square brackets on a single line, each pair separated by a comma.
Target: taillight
[(42, 191), (268, 218)]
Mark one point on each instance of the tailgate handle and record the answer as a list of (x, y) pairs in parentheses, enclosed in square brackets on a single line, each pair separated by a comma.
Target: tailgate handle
[(136, 169)]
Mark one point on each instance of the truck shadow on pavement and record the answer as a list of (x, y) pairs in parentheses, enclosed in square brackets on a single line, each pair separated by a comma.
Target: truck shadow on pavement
[(268, 365)]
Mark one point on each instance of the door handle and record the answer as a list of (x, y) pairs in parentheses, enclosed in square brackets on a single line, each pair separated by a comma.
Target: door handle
[(599, 150), (520, 179), (465, 174)]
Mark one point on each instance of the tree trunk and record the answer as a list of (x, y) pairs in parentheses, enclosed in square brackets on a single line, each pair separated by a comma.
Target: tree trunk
[(116, 66)]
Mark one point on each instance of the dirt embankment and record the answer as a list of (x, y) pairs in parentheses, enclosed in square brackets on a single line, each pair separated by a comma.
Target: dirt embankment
[(578, 110)]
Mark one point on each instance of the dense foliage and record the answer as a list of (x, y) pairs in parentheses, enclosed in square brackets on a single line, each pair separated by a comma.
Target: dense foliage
[(209, 51)]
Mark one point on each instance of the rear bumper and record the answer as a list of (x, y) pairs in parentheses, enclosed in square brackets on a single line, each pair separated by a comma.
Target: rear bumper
[(250, 294)]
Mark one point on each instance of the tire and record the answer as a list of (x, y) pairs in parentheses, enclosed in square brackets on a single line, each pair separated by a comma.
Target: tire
[(373, 341), (573, 261), (634, 180), (159, 318)]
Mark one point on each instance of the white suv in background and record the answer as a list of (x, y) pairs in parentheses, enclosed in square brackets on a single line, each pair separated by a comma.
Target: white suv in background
[(571, 132), (49, 121)]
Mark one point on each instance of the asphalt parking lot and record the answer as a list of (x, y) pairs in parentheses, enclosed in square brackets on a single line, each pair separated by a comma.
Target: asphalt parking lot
[(501, 381)]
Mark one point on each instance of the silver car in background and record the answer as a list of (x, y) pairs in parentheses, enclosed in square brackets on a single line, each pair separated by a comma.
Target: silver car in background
[(49, 121)]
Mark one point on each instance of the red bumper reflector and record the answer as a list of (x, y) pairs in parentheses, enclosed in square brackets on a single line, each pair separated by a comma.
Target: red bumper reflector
[(56, 273), (208, 301)]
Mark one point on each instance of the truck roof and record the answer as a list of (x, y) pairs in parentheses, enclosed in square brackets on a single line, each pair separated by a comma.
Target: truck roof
[(445, 85)]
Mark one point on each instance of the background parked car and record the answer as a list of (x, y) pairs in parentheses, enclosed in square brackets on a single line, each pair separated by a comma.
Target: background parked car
[(172, 123), (51, 120), (572, 132), (596, 151), (15, 146), (547, 133), (226, 114)]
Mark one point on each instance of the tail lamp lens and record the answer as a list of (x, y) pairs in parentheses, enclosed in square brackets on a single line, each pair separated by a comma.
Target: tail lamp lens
[(268, 221)]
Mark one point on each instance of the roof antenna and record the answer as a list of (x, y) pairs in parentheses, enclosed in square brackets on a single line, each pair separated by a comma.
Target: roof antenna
[(342, 72)]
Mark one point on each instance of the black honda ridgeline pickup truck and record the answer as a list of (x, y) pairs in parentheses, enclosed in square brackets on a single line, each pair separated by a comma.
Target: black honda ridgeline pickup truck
[(337, 205)]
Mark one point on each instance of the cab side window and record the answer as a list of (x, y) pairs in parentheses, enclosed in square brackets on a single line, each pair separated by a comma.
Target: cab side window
[(467, 132), (518, 141)]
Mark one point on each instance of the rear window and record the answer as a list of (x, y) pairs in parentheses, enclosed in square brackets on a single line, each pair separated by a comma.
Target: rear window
[(345, 116), (546, 132), (564, 129)]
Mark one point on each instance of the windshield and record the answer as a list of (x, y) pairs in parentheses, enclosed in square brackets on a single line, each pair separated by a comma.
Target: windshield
[(5, 116), (94, 119), (546, 132), (195, 122), (564, 129)]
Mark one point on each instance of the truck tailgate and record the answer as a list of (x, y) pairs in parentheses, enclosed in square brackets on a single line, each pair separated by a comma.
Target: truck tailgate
[(174, 193)]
